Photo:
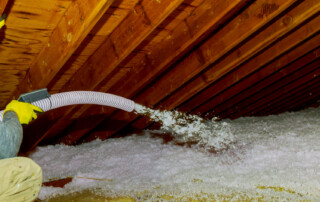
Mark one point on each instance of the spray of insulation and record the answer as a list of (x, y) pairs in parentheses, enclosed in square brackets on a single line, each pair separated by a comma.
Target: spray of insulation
[(210, 134)]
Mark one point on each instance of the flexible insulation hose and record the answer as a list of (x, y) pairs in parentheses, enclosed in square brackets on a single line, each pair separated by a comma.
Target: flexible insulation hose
[(83, 97)]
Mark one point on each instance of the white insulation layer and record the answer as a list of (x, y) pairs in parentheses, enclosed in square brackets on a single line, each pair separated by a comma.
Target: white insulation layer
[(273, 158), (83, 97)]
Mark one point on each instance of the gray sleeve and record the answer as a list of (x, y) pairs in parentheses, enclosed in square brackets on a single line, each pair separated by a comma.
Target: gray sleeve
[(10, 135)]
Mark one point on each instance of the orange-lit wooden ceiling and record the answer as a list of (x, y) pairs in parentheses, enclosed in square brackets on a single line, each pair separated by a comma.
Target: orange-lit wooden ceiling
[(225, 58)]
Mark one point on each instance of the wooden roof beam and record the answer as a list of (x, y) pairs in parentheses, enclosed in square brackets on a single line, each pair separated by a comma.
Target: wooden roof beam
[(252, 84), (265, 97), (308, 102), (301, 14), (249, 85), (291, 20), (199, 23), (288, 96), (145, 17), (74, 26), (228, 81), (229, 62), (231, 112), (239, 29), (293, 100), (3, 4)]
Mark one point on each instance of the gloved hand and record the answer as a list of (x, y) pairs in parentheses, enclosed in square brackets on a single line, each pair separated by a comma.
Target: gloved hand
[(25, 111), (2, 21)]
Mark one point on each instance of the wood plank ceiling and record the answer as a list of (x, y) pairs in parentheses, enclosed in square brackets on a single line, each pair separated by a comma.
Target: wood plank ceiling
[(225, 58)]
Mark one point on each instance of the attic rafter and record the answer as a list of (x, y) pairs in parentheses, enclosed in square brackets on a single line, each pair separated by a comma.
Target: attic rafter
[(312, 100), (297, 100), (249, 85), (146, 16), (211, 51), (200, 21), (298, 15), (3, 4), (289, 83), (77, 22), (291, 20), (308, 30), (294, 98), (301, 84), (292, 40)]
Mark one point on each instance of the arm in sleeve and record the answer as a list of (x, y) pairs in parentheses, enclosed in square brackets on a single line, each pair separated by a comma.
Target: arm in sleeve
[(10, 135)]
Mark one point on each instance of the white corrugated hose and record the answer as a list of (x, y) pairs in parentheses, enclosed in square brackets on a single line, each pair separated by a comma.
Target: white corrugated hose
[(83, 97)]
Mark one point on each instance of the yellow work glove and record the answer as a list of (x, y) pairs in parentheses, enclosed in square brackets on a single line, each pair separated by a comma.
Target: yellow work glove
[(25, 111), (2, 22)]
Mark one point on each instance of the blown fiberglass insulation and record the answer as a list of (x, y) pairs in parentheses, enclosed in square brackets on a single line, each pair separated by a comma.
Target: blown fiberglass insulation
[(277, 157)]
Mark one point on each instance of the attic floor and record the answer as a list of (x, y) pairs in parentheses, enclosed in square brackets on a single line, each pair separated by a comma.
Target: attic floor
[(85, 196), (90, 196)]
